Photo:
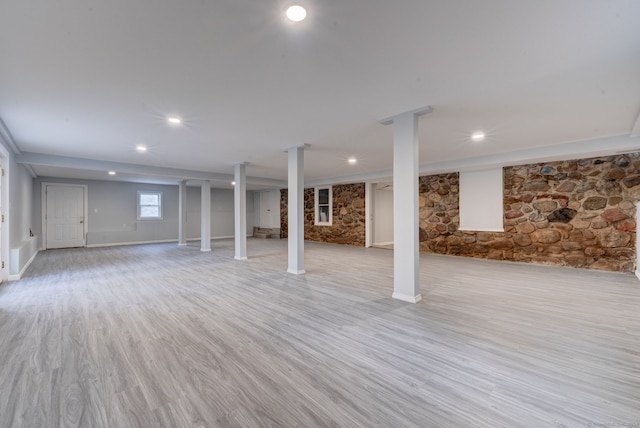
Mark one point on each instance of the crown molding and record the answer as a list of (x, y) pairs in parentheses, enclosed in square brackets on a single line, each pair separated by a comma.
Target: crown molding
[(574, 150), (7, 138), (135, 169)]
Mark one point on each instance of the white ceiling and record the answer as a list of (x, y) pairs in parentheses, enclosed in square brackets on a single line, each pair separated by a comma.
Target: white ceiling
[(91, 79)]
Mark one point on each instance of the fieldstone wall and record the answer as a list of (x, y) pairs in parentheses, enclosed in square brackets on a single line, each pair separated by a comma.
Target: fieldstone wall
[(348, 216), (577, 213), (284, 213)]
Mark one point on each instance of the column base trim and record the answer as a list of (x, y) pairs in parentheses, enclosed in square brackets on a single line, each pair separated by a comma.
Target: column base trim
[(407, 298), (240, 258), (205, 250), (295, 272)]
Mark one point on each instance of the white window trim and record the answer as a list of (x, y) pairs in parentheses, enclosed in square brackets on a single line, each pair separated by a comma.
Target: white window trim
[(316, 206), (149, 192)]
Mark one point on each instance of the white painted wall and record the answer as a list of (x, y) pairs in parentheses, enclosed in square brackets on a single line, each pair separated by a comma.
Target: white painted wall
[(382, 216), (481, 201)]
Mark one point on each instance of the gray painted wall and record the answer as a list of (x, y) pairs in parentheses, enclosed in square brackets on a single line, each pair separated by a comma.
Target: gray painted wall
[(20, 205), (17, 209), (112, 217), (222, 221)]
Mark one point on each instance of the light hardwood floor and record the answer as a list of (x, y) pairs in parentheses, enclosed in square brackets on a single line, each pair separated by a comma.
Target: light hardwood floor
[(168, 336)]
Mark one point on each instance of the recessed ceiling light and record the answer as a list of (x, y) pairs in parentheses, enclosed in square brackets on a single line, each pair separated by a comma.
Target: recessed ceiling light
[(174, 120), (478, 136), (112, 173), (233, 183), (352, 161), (141, 148), (296, 13)]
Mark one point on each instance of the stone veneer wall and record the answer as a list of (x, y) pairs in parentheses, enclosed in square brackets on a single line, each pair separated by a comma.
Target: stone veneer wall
[(577, 213), (348, 216)]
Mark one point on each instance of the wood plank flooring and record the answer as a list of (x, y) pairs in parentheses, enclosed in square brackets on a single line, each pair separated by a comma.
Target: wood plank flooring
[(168, 336)]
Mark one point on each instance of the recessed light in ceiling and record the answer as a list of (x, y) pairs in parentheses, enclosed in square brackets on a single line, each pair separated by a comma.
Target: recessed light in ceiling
[(112, 173), (478, 136), (233, 183), (140, 148), (296, 13), (352, 161), (174, 120)]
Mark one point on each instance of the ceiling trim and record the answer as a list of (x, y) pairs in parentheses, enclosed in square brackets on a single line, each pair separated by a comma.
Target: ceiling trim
[(135, 169), (30, 170), (298, 146), (416, 112), (635, 131), (574, 150), (8, 138)]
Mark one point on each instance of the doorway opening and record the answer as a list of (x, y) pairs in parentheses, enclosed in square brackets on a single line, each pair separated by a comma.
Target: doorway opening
[(382, 215)]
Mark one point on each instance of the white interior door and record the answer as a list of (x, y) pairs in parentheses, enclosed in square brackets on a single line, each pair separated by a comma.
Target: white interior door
[(65, 216), (270, 208)]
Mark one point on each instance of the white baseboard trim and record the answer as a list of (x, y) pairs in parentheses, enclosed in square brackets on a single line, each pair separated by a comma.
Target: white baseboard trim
[(638, 274), (118, 244), (406, 298), (213, 238), (17, 276), (159, 241), (383, 243)]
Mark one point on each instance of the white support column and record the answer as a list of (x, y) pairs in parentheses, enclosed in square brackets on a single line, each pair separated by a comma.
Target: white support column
[(240, 210), (205, 217), (368, 214), (637, 241), (182, 213), (635, 131), (295, 209), (406, 251)]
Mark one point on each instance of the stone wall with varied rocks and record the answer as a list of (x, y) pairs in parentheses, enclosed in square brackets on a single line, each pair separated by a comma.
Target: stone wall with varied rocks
[(284, 213), (348, 226), (578, 213)]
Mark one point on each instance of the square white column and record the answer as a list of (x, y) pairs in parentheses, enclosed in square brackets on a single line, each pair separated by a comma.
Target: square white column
[(205, 217), (182, 213), (406, 250), (295, 214), (240, 210)]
